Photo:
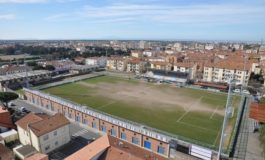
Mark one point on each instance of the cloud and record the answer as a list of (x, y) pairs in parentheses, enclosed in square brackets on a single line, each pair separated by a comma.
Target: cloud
[(7, 17), (176, 14), (23, 1)]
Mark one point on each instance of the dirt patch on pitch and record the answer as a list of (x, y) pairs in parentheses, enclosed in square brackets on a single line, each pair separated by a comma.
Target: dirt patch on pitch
[(145, 95)]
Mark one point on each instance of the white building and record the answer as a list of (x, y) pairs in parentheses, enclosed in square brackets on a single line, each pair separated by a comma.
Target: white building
[(96, 61), (147, 53), (142, 44), (136, 66), (177, 47), (44, 133), (189, 68), (117, 63), (209, 46), (137, 54), (221, 71)]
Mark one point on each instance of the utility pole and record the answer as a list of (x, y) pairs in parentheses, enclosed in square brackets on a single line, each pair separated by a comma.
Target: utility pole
[(27, 81), (230, 80)]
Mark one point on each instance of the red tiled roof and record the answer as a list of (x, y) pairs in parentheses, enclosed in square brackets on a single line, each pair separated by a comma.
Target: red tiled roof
[(5, 153), (5, 119), (38, 156), (91, 150), (257, 112), (48, 124), (187, 65), (29, 118), (214, 85)]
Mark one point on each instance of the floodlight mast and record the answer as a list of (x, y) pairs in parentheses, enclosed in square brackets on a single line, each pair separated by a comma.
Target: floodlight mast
[(230, 81)]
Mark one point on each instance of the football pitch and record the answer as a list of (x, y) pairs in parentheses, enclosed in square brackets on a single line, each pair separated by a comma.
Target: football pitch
[(188, 113)]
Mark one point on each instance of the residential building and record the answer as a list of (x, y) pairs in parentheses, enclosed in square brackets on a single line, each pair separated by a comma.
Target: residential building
[(190, 68), (99, 61), (160, 65), (117, 63), (142, 44), (136, 66), (137, 54), (44, 133), (177, 47), (148, 53), (221, 71), (13, 69)]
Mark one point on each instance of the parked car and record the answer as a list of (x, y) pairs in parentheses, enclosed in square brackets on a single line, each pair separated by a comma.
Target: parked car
[(236, 90), (245, 92), (11, 104), (22, 109)]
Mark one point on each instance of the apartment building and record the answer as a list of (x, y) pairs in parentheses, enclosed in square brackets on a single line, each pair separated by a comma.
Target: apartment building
[(136, 66), (160, 65), (96, 61), (44, 133), (221, 71), (117, 63), (137, 54), (190, 68)]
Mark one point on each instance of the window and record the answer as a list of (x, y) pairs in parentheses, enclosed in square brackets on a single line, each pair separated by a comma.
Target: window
[(113, 132), (56, 143), (47, 147), (84, 121), (77, 118), (147, 144), (94, 125), (161, 150), (55, 133), (103, 128), (46, 137), (123, 135), (135, 140), (69, 115)]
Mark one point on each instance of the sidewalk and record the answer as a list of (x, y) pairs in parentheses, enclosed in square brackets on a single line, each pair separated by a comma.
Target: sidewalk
[(254, 149)]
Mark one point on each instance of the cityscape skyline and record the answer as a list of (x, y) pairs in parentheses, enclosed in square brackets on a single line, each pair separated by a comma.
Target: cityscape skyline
[(239, 20)]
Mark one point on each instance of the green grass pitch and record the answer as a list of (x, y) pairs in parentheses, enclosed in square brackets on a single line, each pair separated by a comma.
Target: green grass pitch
[(200, 120)]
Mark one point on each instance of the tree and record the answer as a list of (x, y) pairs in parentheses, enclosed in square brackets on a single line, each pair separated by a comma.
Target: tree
[(50, 68), (6, 97)]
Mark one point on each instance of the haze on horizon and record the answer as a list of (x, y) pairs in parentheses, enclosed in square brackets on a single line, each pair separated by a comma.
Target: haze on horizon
[(133, 19)]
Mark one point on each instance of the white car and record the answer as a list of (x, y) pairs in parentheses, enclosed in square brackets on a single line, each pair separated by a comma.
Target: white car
[(245, 92), (236, 90)]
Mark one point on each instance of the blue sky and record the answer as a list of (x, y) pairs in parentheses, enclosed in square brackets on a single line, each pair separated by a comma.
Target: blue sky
[(133, 19)]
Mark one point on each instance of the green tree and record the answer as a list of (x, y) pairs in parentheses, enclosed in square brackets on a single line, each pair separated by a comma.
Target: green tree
[(50, 68), (6, 97)]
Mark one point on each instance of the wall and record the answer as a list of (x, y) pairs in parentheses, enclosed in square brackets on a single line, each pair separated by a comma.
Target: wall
[(23, 136), (54, 141), (100, 122)]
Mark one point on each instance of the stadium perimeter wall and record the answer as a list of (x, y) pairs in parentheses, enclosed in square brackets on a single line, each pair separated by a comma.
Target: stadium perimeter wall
[(110, 125)]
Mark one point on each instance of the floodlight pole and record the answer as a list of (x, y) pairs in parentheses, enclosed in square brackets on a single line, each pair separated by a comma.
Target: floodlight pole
[(225, 117)]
